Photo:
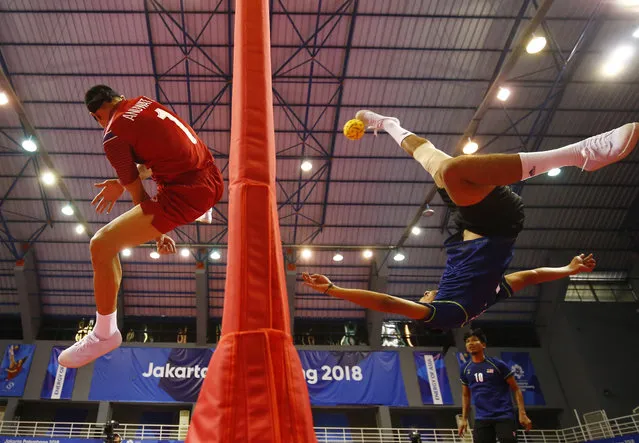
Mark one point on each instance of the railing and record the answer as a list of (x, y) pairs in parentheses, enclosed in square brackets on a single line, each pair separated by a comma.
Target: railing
[(593, 431)]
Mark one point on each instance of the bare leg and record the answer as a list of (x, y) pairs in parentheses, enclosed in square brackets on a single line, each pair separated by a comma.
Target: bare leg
[(128, 230), (468, 179)]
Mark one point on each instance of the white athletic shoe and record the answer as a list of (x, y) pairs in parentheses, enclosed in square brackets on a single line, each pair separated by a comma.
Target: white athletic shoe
[(610, 147), (373, 120), (88, 349)]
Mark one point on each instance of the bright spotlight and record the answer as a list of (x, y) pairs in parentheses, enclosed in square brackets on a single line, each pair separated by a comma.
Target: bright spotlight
[(48, 178), (503, 94), (416, 230), (554, 172), (29, 145), (399, 256), (612, 68), (67, 209), (338, 257), (126, 252), (215, 255), (367, 253), (184, 252), (4, 99), (306, 166), (535, 45), (79, 229), (622, 53), (470, 148), (307, 253), (154, 255), (636, 33)]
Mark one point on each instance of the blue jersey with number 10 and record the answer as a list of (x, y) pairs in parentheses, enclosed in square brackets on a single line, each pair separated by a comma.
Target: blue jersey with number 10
[(489, 389)]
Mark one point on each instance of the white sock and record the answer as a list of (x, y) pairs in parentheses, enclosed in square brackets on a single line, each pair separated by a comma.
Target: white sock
[(430, 157), (397, 132), (106, 325), (536, 163)]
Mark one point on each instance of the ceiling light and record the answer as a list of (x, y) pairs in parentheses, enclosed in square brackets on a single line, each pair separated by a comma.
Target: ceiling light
[(629, 3), (612, 68), (3, 99), (554, 172), (215, 255), (306, 166), (399, 256), (67, 209), (622, 53), (154, 255), (79, 229), (535, 45), (126, 252), (307, 253), (338, 257), (470, 148), (428, 212), (48, 178), (416, 230), (29, 145), (185, 252), (503, 94), (367, 253)]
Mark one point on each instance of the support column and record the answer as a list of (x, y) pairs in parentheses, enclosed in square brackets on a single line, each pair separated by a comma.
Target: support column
[(104, 412), (120, 308), (384, 417), (10, 410), (28, 288), (559, 335), (378, 281), (201, 302), (291, 283)]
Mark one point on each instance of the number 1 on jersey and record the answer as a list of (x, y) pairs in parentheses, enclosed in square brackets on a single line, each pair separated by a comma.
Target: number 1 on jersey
[(162, 114)]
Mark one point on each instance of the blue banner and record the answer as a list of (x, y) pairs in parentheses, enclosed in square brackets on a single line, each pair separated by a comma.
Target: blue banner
[(58, 381), (524, 372), (634, 438), (14, 369), (354, 378), (433, 379), (150, 374)]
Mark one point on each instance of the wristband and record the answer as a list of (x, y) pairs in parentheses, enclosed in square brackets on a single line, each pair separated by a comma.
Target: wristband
[(330, 285)]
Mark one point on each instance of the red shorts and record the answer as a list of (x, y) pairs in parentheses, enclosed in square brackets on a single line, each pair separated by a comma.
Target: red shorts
[(182, 200)]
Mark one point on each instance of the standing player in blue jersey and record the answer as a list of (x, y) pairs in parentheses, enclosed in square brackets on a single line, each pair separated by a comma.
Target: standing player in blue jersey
[(489, 216), (490, 382)]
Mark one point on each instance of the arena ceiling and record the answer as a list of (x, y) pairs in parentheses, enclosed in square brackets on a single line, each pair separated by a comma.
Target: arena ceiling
[(434, 64)]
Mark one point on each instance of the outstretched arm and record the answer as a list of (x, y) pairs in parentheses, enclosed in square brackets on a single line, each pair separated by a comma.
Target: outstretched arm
[(376, 301), (579, 264)]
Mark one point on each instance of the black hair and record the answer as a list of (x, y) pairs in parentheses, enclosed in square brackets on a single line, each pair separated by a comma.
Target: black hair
[(476, 333), (97, 95)]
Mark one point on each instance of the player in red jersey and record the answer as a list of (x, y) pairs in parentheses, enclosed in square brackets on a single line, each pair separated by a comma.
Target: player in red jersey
[(141, 139)]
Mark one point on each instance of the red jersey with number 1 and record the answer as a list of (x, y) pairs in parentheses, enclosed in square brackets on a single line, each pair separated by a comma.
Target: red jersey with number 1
[(143, 131)]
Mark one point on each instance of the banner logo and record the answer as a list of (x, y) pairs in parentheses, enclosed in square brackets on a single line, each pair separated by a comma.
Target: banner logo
[(170, 371), (433, 380)]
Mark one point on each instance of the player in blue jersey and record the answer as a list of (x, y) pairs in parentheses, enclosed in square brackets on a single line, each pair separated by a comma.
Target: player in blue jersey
[(489, 216), (490, 382)]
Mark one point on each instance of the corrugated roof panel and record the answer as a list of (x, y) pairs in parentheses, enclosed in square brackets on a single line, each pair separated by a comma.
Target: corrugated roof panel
[(65, 27)]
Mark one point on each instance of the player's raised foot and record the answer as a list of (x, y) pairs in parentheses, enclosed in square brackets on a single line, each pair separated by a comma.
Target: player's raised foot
[(610, 147), (88, 349), (373, 120)]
